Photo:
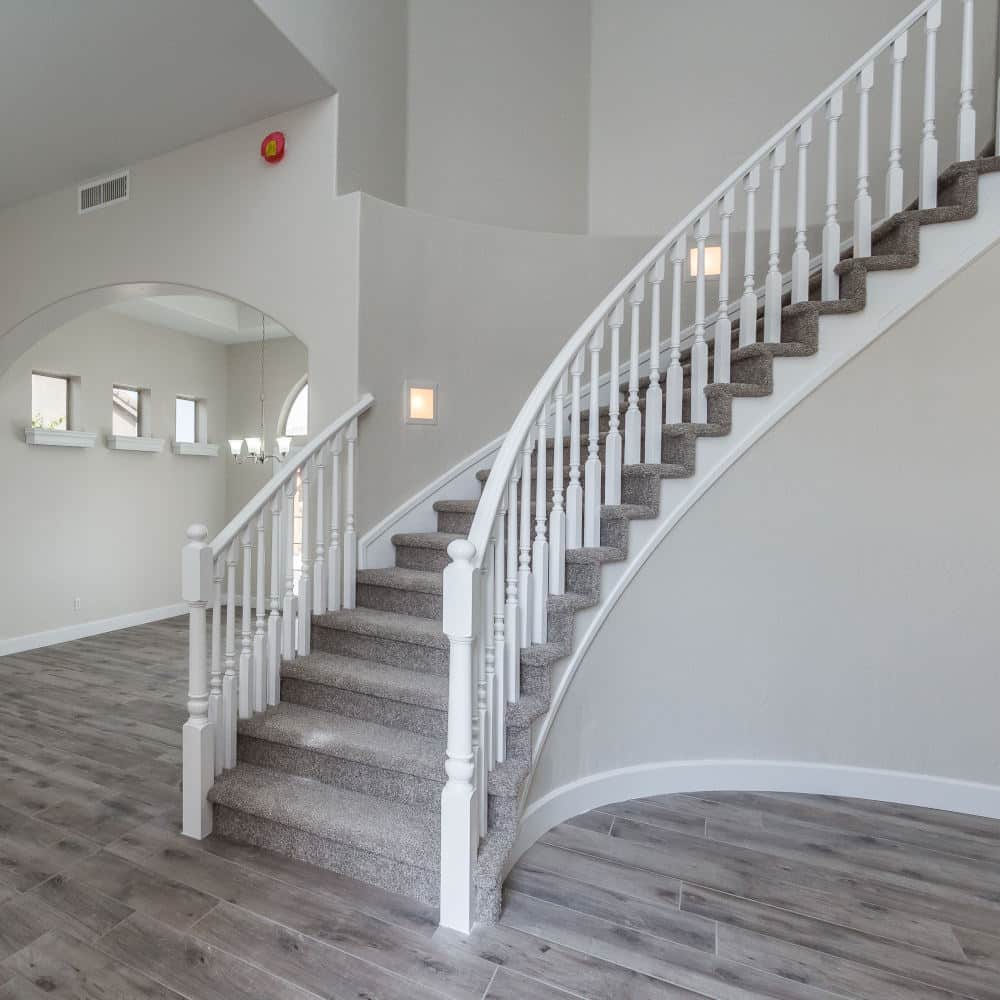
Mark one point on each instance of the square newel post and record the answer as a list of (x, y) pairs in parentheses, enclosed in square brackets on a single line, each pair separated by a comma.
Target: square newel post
[(459, 833), (198, 736)]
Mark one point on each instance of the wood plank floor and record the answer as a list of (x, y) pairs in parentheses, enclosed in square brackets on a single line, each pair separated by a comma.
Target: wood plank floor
[(724, 895)]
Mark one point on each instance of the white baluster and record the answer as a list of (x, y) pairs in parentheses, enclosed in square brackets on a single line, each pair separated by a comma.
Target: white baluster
[(230, 679), (830, 291), (654, 394), (350, 534), (524, 580), (321, 580), (289, 604), (540, 548), (574, 492), (592, 470), (613, 441), (497, 697), (512, 630), (772, 283), (557, 519), (458, 816), (259, 683), (929, 143), (633, 416), (486, 677), (274, 618), (722, 335), (800, 256), (966, 112), (748, 300), (675, 373), (334, 561), (863, 201), (305, 576), (246, 633), (198, 737), (699, 350), (215, 715), (894, 175)]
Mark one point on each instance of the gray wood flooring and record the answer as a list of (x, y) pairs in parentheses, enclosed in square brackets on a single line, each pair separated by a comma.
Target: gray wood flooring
[(724, 895)]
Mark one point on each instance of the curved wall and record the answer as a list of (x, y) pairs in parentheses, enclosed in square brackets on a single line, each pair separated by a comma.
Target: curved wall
[(824, 617)]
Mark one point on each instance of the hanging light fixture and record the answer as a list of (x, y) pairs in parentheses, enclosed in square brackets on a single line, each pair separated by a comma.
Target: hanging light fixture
[(254, 446)]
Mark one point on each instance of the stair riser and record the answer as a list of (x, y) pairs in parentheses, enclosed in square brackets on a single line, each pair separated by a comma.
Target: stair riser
[(454, 523), (406, 602), (409, 655), (406, 880), (584, 578), (412, 557)]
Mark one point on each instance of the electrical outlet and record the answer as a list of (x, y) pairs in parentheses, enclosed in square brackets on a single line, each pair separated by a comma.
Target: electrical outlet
[(77, 603)]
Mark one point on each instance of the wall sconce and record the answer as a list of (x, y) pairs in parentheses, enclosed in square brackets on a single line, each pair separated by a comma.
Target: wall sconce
[(420, 402), (713, 262)]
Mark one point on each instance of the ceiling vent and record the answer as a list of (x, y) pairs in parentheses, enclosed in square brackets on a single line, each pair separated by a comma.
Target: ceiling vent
[(105, 191)]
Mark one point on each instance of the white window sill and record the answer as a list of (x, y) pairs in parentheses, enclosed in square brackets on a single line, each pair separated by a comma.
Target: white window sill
[(63, 439), (121, 442), (196, 448)]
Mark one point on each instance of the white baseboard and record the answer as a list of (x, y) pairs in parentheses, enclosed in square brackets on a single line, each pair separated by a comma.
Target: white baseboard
[(666, 778), (21, 643)]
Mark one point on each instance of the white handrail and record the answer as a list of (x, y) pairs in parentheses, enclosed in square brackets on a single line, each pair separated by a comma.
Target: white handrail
[(510, 451), (278, 480)]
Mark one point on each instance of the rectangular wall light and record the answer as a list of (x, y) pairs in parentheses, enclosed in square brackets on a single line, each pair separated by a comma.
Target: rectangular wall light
[(713, 262), (420, 402)]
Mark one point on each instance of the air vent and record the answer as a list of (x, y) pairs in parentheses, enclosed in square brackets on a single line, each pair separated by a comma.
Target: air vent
[(105, 191)]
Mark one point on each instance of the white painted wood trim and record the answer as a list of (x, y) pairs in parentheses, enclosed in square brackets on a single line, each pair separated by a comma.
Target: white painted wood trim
[(119, 442), (61, 439), (36, 640), (928, 791), (196, 449)]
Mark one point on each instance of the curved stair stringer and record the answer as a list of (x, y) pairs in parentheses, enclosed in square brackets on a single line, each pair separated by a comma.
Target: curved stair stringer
[(891, 294)]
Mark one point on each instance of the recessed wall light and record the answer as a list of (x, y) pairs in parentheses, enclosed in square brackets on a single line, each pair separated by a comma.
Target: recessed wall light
[(713, 262), (420, 402)]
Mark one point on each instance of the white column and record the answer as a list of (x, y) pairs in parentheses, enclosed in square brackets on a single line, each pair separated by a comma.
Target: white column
[(259, 683), (894, 175), (512, 629), (675, 373), (289, 604), (497, 696), (613, 441), (966, 112), (230, 679), (863, 200), (929, 143), (592, 470), (334, 566), (748, 300), (197, 738), (540, 548), (722, 335), (633, 416), (246, 631), (350, 535), (800, 256), (699, 350), (321, 580), (274, 617), (830, 291), (654, 394), (574, 492), (524, 579), (215, 715), (557, 519), (305, 577), (772, 283), (458, 821)]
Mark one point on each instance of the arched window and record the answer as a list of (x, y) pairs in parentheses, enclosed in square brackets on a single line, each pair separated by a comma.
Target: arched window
[(296, 422)]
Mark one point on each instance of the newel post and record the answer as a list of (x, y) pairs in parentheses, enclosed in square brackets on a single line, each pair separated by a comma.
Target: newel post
[(458, 823), (198, 737)]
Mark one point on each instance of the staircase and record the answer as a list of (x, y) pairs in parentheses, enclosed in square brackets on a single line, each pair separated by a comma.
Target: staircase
[(409, 702)]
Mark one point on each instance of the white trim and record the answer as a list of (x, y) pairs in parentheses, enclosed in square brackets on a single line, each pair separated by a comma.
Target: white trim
[(21, 643), (122, 442), (286, 408), (671, 777), (62, 439), (196, 448)]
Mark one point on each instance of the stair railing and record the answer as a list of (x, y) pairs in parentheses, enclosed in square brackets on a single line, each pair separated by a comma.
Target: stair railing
[(227, 682), (502, 577)]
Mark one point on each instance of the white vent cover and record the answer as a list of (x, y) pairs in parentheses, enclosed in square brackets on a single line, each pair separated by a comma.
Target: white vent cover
[(104, 191)]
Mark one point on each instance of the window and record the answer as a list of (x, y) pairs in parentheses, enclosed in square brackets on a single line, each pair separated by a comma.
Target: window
[(186, 423), (125, 405), (49, 402), (297, 420)]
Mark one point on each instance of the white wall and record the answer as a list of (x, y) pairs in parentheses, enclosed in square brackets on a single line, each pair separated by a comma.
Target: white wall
[(105, 526), (831, 599), (497, 111)]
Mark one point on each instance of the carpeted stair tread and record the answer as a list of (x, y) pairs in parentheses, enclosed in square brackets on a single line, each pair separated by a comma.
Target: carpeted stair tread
[(409, 834), (352, 739), (385, 625), (423, 581), (424, 539), (598, 554), (378, 680)]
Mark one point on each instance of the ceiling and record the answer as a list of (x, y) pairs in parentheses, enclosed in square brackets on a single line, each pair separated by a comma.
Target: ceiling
[(208, 316), (92, 86)]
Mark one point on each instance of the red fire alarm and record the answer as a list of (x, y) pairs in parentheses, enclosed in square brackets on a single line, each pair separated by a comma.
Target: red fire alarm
[(273, 147)]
